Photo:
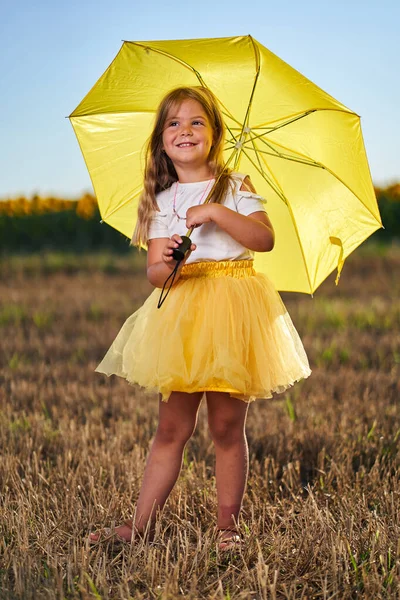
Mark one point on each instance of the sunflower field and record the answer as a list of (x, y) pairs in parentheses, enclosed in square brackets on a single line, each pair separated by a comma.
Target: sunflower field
[(48, 223), (36, 224)]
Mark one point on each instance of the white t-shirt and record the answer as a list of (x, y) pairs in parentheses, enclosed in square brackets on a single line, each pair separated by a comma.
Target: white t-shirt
[(213, 243)]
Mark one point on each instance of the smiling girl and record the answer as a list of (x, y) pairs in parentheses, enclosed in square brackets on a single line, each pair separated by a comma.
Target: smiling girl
[(224, 332)]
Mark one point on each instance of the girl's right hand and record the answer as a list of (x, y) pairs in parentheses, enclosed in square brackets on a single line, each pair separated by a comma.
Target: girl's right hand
[(173, 243)]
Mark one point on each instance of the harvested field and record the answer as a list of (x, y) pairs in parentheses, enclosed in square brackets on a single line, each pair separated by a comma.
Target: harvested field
[(321, 516)]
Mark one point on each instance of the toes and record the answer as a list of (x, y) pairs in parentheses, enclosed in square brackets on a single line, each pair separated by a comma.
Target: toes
[(229, 541), (228, 547), (95, 536)]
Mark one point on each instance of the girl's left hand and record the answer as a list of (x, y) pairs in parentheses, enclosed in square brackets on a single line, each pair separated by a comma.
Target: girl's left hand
[(197, 215)]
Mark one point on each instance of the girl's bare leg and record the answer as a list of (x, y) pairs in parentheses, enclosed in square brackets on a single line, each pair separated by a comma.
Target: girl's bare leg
[(177, 422), (227, 418)]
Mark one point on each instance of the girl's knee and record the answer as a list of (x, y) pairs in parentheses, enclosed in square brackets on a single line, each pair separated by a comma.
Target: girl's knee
[(226, 431), (177, 418), (226, 419), (173, 432)]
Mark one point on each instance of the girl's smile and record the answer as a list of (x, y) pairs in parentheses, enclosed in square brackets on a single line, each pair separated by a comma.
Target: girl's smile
[(187, 136)]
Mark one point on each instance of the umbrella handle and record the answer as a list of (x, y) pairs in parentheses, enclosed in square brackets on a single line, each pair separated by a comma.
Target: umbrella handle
[(178, 255), (184, 247)]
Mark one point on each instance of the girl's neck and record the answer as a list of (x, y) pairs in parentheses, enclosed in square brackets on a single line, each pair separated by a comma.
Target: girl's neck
[(192, 175)]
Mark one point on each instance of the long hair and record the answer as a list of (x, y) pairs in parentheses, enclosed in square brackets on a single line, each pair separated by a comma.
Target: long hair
[(160, 172)]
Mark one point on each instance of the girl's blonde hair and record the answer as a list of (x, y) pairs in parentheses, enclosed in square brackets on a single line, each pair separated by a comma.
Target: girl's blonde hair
[(160, 172)]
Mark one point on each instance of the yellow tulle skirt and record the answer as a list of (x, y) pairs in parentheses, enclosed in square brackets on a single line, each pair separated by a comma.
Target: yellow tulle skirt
[(223, 327)]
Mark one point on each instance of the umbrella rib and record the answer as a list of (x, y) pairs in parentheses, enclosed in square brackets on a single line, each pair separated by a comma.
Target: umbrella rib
[(233, 141), (285, 123), (249, 105), (306, 159), (226, 113), (257, 60), (185, 64), (274, 186), (314, 163), (268, 144), (255, 150), (272, 129), (269, 177), (276, 154), (283, 197), (296, 117), (350, 190), (175, 58), (289, 121), (266, 166)]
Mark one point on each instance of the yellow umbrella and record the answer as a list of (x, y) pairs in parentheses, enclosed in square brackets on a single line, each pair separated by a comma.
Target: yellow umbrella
[(303, 149)]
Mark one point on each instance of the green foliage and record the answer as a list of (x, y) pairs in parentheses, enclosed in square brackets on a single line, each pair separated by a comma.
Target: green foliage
[(389, 207), (290, 409), (12, 314), (64, 230), (55, 224)]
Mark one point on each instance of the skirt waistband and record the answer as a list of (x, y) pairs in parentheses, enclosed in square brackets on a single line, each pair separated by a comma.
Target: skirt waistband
[(220, 268)]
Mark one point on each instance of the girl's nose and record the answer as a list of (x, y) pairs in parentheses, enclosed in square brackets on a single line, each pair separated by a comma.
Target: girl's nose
[(186, 130)]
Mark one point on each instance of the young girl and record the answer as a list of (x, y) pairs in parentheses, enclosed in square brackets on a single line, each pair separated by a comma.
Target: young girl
[(223, 329)]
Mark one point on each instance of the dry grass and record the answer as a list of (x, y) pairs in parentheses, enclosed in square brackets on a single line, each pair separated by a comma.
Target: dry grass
[(321, 515)]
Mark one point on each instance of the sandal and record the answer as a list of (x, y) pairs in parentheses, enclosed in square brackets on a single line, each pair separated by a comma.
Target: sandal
[(230, 542)]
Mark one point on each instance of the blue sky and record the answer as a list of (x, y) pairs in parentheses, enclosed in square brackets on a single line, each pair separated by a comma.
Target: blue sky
[(53, 52)]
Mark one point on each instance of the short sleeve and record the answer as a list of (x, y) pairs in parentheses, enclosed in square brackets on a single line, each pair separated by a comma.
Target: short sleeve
[(158, 226), (249, 202)]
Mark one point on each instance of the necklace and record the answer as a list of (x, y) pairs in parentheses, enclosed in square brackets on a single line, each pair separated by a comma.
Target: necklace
[(178, 217)]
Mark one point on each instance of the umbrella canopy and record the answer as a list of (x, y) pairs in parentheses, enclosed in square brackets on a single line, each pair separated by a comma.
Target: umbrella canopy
[(303, 149)]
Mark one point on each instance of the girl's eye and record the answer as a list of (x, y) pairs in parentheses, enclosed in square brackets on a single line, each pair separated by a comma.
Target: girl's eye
[(197, 122), (173, 123)]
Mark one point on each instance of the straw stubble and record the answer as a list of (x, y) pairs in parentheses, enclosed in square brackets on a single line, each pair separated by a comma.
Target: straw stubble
[(320, 516)]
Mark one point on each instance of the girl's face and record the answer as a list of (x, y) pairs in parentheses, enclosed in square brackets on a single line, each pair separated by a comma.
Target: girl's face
[(187, 137)]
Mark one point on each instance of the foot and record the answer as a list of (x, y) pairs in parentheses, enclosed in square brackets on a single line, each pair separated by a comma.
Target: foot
[(228, 539), (121, 534)]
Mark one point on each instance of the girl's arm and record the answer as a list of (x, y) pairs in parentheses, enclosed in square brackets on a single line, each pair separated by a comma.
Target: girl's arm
[(254, 232), (160, 263)]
